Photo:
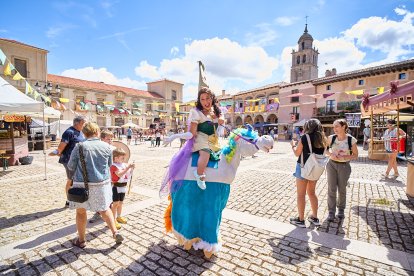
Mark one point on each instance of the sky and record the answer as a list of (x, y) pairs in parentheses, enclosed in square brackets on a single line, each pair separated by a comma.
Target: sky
[(243, 44)]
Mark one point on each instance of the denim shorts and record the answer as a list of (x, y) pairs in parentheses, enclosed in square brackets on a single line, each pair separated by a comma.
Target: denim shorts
[(69, 173), (297, 172)]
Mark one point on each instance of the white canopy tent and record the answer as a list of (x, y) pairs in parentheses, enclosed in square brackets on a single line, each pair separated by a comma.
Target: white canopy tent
[(13, 100)]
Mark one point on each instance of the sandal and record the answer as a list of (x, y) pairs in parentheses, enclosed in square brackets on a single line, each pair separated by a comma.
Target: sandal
[(76, 242)]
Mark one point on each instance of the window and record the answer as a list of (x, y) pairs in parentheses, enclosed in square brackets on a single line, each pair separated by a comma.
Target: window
[(402, 76), (149, 107), (328, 87), (330, 106), (295, 110), (304, 59), (303, 45), (100, 105), (21, 66), (361, 82), (294, 99), (240, 104), (298, 60), (79, 99), (173, 95)]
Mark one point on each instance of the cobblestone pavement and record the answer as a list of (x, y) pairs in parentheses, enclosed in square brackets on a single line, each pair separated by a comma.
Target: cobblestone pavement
[(264, 187)]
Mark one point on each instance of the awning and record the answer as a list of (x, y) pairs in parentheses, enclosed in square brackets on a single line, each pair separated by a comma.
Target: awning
[(301, 123)]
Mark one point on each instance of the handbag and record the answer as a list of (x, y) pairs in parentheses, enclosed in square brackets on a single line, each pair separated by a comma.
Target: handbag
[(315, 165), (80, 195)]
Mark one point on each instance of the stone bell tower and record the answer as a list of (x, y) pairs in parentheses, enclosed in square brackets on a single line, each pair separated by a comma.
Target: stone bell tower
[(305, 60)]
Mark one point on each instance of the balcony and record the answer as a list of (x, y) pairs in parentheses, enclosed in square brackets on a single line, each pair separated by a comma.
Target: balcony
[(353, 106)]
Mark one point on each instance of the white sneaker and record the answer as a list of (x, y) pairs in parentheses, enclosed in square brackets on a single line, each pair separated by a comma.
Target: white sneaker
[(201, 183)]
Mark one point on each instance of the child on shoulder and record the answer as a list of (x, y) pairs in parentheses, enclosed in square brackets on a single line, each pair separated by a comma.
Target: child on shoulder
[(204, 119), (120, 175)]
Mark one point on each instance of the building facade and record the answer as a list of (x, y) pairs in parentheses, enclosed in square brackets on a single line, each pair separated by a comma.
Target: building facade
[(307, 96), (105, 104)]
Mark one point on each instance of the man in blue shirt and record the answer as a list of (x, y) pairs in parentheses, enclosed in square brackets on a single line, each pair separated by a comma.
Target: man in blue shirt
[(70, 138)]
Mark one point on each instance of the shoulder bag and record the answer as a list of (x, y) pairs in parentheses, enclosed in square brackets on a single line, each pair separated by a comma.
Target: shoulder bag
[(315, 165), (80, 195)]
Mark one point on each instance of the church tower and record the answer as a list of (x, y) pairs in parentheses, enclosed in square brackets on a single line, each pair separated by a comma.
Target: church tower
[(305, 60)]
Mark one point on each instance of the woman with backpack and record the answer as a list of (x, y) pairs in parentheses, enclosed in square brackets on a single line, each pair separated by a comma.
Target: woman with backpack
[(313, 131), (342, 149)]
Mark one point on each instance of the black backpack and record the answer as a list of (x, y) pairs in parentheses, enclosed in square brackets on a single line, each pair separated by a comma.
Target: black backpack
[(349, 142)]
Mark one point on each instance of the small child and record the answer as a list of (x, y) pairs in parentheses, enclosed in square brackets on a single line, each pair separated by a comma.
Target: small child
[(120, 175), (152, 141)]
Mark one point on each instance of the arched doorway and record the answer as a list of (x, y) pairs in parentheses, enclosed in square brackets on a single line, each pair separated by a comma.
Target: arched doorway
[(248, 120), (258, 119), (239, 122), (272, 119)]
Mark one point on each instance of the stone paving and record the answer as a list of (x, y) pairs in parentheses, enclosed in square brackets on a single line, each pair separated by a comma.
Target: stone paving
[(264, 187)]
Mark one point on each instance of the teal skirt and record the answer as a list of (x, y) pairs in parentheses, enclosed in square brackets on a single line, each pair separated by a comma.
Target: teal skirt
[(196, 213)]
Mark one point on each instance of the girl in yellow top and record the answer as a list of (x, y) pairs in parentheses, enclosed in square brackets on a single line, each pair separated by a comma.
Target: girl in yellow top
[(204, 120)]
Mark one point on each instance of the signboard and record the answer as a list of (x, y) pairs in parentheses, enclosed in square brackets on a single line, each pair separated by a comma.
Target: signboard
[(353, 119), (14, 118)]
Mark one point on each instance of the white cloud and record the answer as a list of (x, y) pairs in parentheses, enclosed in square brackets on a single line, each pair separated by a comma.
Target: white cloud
[(174, 51), (144, 70), (102, 74), (347, 52), (107, 6), (225, 61), (285, 20), (336, 53), (395, 38), (264, 36), (55, 31)]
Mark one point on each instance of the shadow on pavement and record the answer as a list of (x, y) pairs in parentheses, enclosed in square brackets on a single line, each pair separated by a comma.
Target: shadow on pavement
[(392, 227), (166, 259), (64, 254), (60, 233), (294, 246), (13, 221)]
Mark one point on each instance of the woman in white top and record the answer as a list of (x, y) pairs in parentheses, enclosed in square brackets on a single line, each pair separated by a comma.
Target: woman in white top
[(391, 146), (343, 149)]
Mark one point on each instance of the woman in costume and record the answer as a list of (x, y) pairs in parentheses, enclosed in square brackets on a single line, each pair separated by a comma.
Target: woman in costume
[(204, 120)]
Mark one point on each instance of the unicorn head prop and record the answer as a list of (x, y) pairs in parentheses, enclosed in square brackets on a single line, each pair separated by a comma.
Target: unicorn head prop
[(194, 215)]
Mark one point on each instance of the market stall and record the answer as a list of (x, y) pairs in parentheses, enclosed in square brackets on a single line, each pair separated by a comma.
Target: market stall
[(396, 98), (13, 101)]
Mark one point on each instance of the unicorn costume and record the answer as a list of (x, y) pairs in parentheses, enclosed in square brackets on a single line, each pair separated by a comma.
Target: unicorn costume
[(194, 215)]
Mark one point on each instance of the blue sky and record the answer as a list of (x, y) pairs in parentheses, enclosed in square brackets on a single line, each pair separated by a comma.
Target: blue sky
[(243, 44)]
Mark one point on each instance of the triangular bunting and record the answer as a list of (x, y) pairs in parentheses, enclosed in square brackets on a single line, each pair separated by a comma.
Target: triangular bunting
[(7, 69), (2, 58), (17, 76), (29, 89)]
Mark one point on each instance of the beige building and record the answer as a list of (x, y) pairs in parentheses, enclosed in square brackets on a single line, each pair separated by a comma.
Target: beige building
[(29, 61), (106, 104)]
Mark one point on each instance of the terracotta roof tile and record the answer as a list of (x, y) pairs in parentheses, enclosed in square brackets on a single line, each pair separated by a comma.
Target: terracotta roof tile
[(100, 86)]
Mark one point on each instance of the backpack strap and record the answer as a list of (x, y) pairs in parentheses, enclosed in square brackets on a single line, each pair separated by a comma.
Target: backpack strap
[(310, 150), (333, 140), (350, 144)]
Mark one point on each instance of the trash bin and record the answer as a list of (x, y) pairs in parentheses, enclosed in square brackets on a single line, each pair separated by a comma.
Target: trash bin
[(410, 179)]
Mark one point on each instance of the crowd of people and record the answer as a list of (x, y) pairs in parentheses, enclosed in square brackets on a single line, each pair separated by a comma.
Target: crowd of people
[(107, 173)]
